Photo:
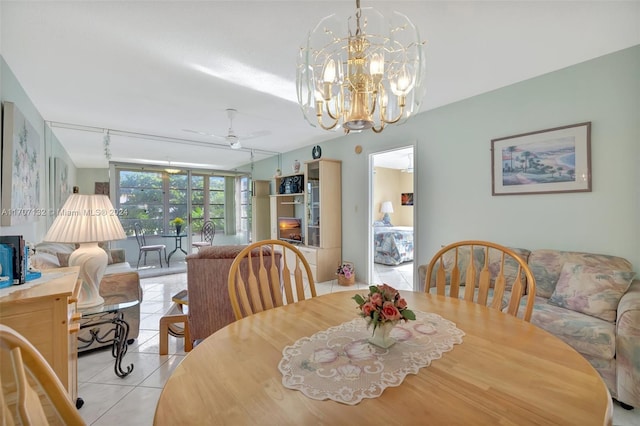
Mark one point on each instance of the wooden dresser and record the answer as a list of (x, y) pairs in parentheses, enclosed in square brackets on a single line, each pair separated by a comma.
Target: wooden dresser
[(44, 312)]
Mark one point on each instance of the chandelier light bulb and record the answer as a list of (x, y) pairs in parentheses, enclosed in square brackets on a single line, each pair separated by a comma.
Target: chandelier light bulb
[(384, 100), (403, 83), (377, 65), (330, 71)]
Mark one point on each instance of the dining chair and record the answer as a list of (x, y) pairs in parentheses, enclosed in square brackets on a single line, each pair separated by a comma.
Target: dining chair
[(206, 235), (487, 273), (144, 248), (32, 393), (265, 274)]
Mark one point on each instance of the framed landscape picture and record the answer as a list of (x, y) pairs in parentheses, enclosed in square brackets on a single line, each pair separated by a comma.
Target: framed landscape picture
[(542, 162)]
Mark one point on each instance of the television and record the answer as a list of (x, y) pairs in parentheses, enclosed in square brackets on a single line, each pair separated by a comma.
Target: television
[(290, 229)]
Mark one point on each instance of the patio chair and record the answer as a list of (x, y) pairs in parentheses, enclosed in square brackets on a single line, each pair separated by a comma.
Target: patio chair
[(144, 248)]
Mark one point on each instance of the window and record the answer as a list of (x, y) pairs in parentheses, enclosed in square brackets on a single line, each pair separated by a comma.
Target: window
[(197, 202), (216, 201), (177, 200), (155, 197), (245, 205), (141, 193)]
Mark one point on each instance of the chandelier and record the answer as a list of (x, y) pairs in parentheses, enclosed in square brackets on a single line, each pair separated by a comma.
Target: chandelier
[(372, 77)]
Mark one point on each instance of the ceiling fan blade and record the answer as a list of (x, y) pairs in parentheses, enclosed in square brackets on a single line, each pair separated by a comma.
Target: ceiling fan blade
[(253, 135), (211, 135), (195, 131)]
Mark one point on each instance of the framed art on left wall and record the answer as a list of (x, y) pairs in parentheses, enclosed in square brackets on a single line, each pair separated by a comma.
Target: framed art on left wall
[(62, 184), (21, 177)]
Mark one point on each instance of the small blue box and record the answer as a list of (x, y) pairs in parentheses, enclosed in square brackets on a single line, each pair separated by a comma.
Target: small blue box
[(32, 275), (6, 262)]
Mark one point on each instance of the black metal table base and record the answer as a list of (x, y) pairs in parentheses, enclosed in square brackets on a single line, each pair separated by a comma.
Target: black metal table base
[(177, 247), (118, 335)]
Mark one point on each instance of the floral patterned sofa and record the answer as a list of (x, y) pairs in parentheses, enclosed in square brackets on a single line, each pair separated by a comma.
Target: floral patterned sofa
[(591, 302)]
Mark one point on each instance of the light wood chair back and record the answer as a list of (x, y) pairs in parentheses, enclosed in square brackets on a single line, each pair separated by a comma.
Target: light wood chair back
[(262, 282), (509, 276), (32, 394)]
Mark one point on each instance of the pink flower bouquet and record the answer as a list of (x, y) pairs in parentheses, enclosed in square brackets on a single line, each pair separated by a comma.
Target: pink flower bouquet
[(346, 269), (383, 304)]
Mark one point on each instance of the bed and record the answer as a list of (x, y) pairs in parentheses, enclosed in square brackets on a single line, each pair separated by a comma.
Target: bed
[(393, 245)]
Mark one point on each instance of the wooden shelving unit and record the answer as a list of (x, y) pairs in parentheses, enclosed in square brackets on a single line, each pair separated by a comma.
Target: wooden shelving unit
[(319, 206)]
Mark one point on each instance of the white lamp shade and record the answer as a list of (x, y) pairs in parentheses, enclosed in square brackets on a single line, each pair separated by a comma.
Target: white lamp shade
[(86, 219), (386, 207)]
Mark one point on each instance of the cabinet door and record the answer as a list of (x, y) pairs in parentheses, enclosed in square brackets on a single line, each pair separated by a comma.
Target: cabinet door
[(273, 211), (324, 204), (313, 204), (260, 218)]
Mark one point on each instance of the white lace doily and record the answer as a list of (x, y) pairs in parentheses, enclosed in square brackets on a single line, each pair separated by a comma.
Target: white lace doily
[(340, 364)]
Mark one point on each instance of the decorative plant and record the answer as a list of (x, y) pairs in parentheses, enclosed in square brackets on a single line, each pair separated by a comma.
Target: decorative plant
[(178, 221), (383, 304), (346, 269)]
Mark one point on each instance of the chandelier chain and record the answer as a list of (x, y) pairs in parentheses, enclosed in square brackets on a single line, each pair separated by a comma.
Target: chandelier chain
[(358, 16)]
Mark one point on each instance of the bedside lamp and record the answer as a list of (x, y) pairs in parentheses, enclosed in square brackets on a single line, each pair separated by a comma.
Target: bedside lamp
[(386, 208), (87, 220)]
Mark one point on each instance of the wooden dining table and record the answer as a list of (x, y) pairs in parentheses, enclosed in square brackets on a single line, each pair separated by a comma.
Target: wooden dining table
[(505, 371)]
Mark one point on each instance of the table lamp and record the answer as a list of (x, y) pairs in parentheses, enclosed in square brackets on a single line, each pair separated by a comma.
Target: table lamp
[(386, 208), (87, 220)]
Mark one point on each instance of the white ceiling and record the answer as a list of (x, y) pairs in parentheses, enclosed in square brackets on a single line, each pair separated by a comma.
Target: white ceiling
[(395, 159), (158, 68)]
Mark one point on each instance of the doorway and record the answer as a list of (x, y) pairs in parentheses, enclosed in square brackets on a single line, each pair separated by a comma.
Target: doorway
[(391, 213)]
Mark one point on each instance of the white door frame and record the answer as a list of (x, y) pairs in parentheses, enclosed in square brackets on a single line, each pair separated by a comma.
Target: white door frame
[(372, 213)]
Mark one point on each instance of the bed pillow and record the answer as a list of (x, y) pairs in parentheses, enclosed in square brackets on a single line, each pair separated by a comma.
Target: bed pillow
[(379, 223), (591, 291)]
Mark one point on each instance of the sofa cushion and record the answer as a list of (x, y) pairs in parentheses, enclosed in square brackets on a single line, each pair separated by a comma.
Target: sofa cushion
[(116, 268), (464, 258), (225, 252), (53, 248), (495, 262), (592, 291), (117, 256), (510, 270), (588, 335), (43, 260), (546, 266), (63, 259)]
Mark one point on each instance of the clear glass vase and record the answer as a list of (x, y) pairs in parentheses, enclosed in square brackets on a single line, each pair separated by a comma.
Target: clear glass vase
[(382, 335)]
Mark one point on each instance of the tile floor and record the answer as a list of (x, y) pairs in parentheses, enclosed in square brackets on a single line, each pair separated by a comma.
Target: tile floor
[(110, 400)]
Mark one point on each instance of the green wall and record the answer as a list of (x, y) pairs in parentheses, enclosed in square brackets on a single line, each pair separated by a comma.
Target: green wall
[(12, 91), (452, 193)]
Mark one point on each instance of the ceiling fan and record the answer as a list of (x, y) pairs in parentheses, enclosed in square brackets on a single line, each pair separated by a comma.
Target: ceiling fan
[(231, 137), (409, 168)]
